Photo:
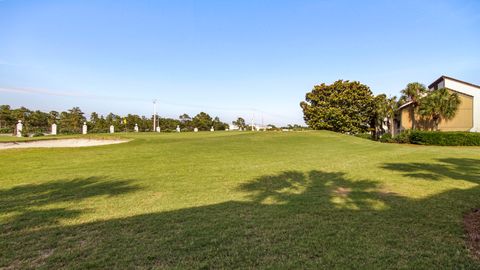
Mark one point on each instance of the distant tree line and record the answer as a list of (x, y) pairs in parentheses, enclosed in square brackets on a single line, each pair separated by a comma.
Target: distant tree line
[(351, 107), (71, 121)]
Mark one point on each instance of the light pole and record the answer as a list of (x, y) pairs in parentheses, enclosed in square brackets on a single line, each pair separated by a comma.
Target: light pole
[(154, 115), (253, 120)]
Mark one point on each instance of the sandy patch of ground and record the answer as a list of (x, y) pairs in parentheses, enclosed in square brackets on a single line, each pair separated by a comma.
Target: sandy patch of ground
[(58, 143), (471, 222)]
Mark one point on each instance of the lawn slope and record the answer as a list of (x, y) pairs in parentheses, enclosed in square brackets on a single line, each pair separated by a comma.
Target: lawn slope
[(237, 200)]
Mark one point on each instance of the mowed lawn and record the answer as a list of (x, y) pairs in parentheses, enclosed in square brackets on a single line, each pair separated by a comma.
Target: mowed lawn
[(238, 200)]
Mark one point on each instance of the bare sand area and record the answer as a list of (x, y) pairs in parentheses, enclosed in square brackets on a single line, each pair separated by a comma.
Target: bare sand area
[(58, 143)]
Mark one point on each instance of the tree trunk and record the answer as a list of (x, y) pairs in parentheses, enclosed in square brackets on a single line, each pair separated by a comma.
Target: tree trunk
[(392, 127)]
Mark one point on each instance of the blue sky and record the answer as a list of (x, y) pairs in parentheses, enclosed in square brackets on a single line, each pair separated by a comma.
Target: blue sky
[(228, 58)]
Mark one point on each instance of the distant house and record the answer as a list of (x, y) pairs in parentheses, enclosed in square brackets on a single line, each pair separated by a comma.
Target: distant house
[(248, 127), (467, 117), (233, 127)]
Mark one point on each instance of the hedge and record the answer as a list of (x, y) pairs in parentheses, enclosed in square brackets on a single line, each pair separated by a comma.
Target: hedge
[(445, 138)]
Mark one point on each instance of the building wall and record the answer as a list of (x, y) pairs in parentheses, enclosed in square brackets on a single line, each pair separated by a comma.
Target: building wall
[(406, 118), (463, 120), (474, 92)]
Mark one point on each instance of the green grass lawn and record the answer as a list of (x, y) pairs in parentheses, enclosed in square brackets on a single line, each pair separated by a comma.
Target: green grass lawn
[(238, 200)]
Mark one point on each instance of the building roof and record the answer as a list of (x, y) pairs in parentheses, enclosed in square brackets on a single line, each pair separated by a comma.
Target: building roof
[(405, 105), (443, 77)]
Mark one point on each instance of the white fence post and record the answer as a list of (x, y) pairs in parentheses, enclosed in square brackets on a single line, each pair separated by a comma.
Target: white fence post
[(54, 129), (19, 128)]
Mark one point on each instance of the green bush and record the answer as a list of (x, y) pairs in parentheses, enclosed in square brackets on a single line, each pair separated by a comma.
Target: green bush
[(6, 130), (403, 137), (38, 134), (386, 138), (445, 138)]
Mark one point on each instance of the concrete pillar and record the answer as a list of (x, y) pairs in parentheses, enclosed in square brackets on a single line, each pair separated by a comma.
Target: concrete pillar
[(54, 129), (19, 128), (112, 129), (84, 128)]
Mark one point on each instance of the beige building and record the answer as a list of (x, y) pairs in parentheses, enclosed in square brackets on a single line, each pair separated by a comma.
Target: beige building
[(467, 117)]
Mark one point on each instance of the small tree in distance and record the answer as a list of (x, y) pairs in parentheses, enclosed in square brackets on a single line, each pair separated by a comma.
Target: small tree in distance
[(240, 123), (202, 121)]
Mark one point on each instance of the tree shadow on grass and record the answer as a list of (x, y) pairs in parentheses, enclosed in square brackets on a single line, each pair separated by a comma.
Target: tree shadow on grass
[(467, 169), (323, 189), (30, 205), (290, 220)]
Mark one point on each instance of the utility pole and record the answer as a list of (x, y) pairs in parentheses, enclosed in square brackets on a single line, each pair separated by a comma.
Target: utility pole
[(262, 123), (154, 115), (253, 119)]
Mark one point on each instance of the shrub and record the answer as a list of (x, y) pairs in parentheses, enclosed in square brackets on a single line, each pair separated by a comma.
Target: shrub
[(38, 134), (386, 138), (6, 130), (403, 137), (445, 138)]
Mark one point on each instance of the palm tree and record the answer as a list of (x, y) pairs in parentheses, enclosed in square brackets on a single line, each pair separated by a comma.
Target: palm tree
[(76, 118), (414, 93), (392, 106), (380, 112), (52, 117), (440, 104)]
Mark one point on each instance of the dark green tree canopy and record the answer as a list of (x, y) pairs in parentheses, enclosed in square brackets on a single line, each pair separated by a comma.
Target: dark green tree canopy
[(343, 106), (218, 124), (240, 123), (202, 121), (71, 121)]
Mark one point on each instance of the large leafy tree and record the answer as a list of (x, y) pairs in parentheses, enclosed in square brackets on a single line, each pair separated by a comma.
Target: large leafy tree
[(343, 106), (413, 93), (439, 104)]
